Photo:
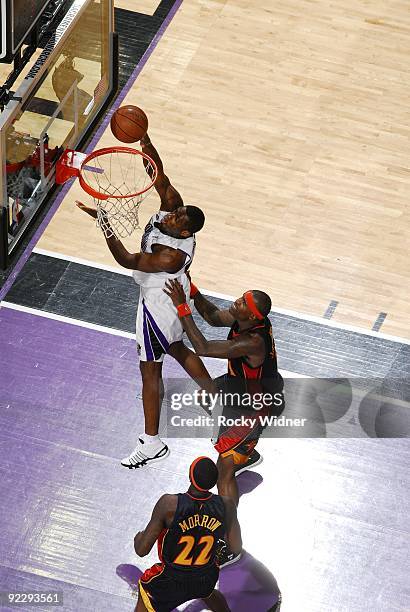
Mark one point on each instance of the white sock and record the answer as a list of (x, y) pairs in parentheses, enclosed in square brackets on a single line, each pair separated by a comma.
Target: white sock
[(150, 439)]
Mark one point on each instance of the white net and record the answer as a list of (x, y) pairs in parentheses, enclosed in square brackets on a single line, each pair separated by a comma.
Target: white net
[(119, 173)]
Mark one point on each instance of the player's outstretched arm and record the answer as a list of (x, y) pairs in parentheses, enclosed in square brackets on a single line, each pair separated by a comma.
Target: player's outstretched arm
[(245, 345), (162, 260), (170, 198), (210, 312), (145, 540), (233, 529)]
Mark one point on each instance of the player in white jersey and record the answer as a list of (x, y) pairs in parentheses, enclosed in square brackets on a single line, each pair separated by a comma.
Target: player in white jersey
[(167, 249), (157, 327)]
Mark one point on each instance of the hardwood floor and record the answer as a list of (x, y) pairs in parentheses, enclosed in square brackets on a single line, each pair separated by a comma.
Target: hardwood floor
[(288, 123)]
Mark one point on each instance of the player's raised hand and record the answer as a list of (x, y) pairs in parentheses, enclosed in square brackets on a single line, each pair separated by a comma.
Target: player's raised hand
[(176, 292), (145, 140), (90, 211)]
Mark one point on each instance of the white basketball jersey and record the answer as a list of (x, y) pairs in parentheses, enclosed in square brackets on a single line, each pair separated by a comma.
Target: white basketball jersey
[(153, 235)]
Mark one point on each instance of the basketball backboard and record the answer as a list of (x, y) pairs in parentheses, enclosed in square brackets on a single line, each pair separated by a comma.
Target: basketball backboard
[(18, 20), (60, 98)]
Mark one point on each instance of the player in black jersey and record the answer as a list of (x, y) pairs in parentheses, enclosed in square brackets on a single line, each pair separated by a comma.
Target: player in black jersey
[(187, 527), (252, 369)]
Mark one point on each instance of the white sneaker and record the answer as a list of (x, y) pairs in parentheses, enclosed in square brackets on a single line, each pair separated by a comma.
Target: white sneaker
[(145, 454)]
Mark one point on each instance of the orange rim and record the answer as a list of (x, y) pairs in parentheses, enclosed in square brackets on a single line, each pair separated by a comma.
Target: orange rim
[(106, 151)]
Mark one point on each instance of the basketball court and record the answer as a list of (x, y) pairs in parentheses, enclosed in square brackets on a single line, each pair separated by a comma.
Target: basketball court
[(287, 123)]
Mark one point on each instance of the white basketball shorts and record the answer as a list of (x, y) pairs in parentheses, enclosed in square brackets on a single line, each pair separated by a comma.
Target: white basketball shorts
[(158, 324)]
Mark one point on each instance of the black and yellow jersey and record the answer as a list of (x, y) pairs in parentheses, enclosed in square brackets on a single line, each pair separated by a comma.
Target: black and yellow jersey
[(190, 543)]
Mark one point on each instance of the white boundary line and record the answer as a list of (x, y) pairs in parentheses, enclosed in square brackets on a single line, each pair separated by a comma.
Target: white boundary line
[(116, 332), (223, 296), (102, 329), (56, 317)]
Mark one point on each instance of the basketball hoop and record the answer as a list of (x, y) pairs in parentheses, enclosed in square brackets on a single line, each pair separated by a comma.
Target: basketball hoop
[(118, 179)]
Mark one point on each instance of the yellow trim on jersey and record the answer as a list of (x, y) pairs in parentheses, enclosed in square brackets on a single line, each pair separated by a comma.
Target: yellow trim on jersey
[(145, 598)]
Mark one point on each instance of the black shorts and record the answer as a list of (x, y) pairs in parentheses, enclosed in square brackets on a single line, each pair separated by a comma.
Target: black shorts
[(239, 440), (163, 589)]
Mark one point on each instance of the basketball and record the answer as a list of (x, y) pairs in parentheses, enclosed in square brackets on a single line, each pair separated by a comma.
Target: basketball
[(129, 123)]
